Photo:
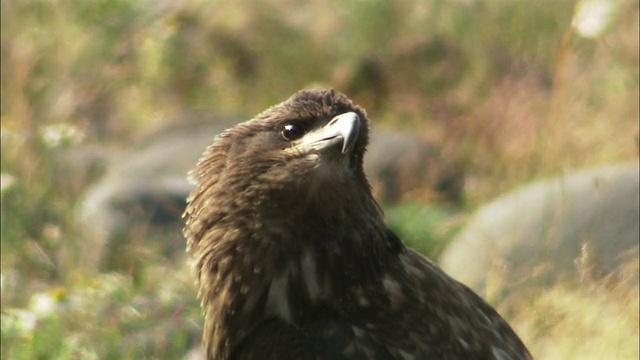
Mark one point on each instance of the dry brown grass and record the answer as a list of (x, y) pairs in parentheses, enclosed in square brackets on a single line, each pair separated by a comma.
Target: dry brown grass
[(597, 321)]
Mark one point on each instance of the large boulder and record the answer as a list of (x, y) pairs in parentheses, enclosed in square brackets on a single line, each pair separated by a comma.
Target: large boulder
[(570, 229), (402, 166), (142, 194)]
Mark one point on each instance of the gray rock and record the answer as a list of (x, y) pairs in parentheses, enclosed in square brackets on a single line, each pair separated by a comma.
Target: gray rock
[(573, 228), (143, 193), (400, 165)]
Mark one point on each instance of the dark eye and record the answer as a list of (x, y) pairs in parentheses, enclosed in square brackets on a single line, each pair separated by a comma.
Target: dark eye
[(292, 131)]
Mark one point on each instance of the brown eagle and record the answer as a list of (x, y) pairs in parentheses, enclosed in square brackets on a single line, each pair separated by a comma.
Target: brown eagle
[(293, 258)]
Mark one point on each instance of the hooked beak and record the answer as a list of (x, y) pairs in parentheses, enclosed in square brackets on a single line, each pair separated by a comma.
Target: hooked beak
[(341, 130)]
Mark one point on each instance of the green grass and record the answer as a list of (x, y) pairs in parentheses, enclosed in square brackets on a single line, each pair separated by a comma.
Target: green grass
[(425, 227), (509, 88)]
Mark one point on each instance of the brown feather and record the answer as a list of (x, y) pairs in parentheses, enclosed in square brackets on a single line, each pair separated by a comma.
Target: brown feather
[(293, 258)]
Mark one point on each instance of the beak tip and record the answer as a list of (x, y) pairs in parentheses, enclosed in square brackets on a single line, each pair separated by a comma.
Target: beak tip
[(349, 129)]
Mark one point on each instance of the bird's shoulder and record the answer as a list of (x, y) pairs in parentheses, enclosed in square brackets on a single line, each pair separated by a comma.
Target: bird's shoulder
[(445, 316)]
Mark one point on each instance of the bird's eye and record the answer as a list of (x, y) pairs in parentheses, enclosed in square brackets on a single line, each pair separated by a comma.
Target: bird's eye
[(292, 132)]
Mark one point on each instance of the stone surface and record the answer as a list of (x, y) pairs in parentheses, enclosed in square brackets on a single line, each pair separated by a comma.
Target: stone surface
[(574, 228)]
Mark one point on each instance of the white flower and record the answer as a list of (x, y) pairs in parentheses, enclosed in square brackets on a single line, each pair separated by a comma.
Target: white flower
[(61, 134), (21, 321), (42, 304), (591, 17), (6, 181)]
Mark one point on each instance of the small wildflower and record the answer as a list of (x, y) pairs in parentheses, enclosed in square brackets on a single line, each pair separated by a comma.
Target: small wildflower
[(42, 304), (57, 135), (22, 322), (6, 182), (591, 17)]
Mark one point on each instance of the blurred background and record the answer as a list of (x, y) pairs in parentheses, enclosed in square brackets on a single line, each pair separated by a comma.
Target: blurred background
[(106, 105)]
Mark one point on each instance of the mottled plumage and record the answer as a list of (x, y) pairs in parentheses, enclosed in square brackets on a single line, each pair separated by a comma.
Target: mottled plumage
[(293, 258)]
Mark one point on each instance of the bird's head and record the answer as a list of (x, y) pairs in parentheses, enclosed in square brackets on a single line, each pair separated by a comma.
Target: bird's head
[(306, 152)]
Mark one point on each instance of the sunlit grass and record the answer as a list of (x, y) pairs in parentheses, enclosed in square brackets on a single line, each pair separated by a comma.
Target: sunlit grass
[(597, 322)]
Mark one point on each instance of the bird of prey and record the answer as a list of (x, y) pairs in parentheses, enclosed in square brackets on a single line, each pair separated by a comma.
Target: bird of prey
[(293, 259)]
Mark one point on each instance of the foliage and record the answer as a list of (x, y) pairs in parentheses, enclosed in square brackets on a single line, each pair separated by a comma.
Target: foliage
[(509, 88)]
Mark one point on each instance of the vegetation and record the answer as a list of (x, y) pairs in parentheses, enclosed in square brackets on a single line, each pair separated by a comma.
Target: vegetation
[(514, 90)]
